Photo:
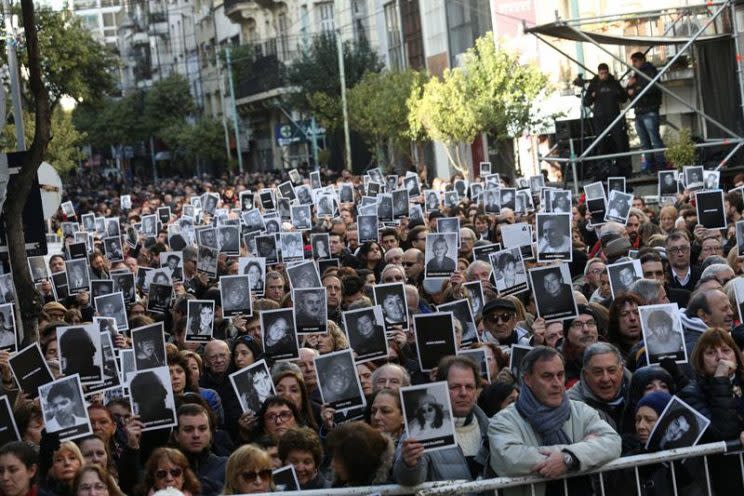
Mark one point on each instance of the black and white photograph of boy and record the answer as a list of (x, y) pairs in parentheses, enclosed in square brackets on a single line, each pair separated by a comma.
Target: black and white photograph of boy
[(618, 207), (391, 182), (367, 228), (440, 254), (678, 426), (304, 195), (710, 209), (8, 338), (710, 179), (693, 176), (112, 248), (266, 248), (209, 202), (301, 217), (124, 282), (229, 239), (558, 201), (152, 398), (462, 314), (303, 275), (435, 338), (551, 287), (279, 334), (338, 381), (509, 272), (235, 292), (174, 261), (365, 330), (199, 320), (77, 276), (112, 305), (148, 343), (64, 409), (400, 203), (79, 351), (89, 222), (668, 184), (126, 202), (252, 386), (291, 246), (427, 414), (253, 220), (206, 260), (623, 274), (320, 243), (663, 336), (475, 191), (411, 184), (553, 237), (159, 298), (491, 201), (311, 310), (38, 268), (392, 298)]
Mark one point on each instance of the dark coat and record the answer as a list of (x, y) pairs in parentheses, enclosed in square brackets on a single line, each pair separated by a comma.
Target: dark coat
[(210, 469), (606, 96), (651, 100)]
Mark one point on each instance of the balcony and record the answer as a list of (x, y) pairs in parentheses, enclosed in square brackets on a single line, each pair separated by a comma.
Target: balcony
[(265, 74), (235, 9), (140, 39)]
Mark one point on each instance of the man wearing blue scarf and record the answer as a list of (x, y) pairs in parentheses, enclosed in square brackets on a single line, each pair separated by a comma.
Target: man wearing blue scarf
[(546, 434)]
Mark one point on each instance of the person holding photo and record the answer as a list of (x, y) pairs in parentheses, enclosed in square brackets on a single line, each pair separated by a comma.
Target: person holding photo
[(555, 238), (62, 400), (440, 263)]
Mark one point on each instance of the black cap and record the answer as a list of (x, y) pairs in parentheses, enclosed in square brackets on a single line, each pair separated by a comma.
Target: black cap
[(499, 304)]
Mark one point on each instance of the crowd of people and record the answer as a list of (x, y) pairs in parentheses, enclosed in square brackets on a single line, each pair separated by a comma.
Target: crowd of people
[(257, 403)]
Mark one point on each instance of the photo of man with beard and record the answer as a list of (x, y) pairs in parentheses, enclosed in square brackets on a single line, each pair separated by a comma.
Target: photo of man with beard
[(310, 310)]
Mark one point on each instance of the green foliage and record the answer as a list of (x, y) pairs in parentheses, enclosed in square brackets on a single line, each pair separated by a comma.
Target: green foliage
[(112, 121), (73, 63), (63, 151), (167, 103), (681, 150), (491, 92), (316, 72), (190, 142), (378, 106)]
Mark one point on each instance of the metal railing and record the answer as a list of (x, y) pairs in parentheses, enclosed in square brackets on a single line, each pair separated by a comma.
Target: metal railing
[(488, 485)]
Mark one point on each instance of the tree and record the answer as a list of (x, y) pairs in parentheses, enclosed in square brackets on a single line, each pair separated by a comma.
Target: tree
[(203, 140), (112, 121), (492, 92), (167, 103), (316, 76), (378, 109)]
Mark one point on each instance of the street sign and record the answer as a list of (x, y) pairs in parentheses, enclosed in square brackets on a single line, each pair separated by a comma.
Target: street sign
[(296, 132)]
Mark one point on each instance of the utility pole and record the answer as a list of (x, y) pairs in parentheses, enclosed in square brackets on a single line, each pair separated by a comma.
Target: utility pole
[(15, 86), (234, 109), (222, 86), (342, 75)]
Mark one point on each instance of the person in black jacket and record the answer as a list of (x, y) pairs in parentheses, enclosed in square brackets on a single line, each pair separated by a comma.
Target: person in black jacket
[(646, 111), (605, 95)]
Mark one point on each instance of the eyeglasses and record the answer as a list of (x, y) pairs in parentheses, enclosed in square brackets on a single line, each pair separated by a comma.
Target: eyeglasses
[(578, 325), (174, 472), (264, 474), (276, 417), (653, 273), (679, 249), (98, 487), (408, 264), (504, 317)]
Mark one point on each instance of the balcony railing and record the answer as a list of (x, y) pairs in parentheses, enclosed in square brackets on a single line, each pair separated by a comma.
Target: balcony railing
[(266, 73)]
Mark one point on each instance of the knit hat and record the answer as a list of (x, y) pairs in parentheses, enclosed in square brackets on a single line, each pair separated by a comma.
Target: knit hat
[(657, 401), (54, 306), (615, 246)]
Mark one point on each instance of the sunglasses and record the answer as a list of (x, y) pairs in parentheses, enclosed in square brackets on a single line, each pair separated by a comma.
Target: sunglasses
[(264, 474), (427, 408), (504, 317), (174, 472)]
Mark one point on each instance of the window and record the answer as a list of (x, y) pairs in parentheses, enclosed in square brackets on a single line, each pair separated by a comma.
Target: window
[(109, 20), (359, 19), (324, 16), (394, 42), (283, 41)]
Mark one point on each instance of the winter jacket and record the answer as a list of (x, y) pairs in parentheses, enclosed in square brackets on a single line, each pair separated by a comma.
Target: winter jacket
[(606, 96), (651, 100), (612, 414), (514, 444), (230, 403), (444, 464), (210, 469)]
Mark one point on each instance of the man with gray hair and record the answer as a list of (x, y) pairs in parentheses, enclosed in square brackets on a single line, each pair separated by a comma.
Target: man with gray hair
[(604, 383), (394, 256), (651, 291), (393, 273), (548, 434), (592, 270), (721, 272), (391, 376)]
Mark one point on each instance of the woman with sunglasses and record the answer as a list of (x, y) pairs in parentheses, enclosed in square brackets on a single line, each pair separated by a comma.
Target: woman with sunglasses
[(168, 467), (248, 471)]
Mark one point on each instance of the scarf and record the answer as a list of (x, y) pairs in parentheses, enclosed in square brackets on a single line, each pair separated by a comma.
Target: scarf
[(545, 421)]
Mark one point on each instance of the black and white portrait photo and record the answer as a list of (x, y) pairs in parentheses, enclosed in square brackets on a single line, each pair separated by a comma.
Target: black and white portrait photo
[(710, 209), (173, 260), (79, 350), (126, 202), (435, 338), (346, 193), (229, 239), (252, 385), (616, 183), (463, 316), (460, 187), (282, 207), (367, 228), (338, 380), (100, 287), (558, 201), (391, 182), (484, 169), (325, 204), (693, 176), (30, 369), (711, 179), (164, 214), (279, 335), (199, 320), (618, 206), (38, 268), (112, 305), (474, 294), (427, 414), (400, 203), (112, 226), (207, 237), (301, 217), (509, 272), (385, 207), (152, 398), (149, 226), (111, 378), (255, 269), (77, 276), (431, 200), (662, 333), (594, 190), (311, 310), (366, 332), (304, 195), (554, 296), (156, 276), (124, 282), (507, 198), (553, 237), (451, 199), (304, 275), (113, 249), (292, 246), (678, 426), (668, 184), (89, 222), (411, 184), (623, 274), (8, 339), (392, 298), (245, 199), (159, 298), (206, 260), (235, 293), (209, 202), (266, 248), (475, 191), (441, 254), (148, 343), (64, 409), (321, 246)]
